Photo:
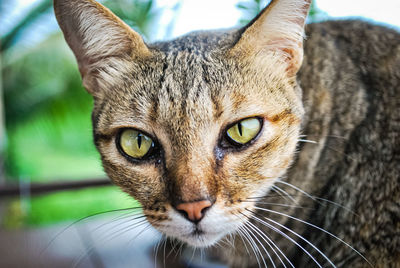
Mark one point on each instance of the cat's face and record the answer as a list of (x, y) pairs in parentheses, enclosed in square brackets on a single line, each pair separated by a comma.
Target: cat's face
[(186, 107), (196, 129)]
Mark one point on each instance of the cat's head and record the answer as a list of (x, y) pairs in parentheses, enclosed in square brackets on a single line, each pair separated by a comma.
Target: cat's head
[(196, 128)]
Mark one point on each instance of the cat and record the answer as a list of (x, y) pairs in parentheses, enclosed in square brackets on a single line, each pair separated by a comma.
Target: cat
[(288, 150)]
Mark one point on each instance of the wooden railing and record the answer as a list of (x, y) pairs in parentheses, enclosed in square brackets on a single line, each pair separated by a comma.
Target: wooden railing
[(48, 187)]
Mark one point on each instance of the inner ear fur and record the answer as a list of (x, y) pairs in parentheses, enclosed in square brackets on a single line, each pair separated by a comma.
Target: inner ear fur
[(278, 30), (97, 37)]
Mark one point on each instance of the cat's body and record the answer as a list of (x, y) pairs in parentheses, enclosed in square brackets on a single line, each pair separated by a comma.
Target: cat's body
[(185, 98), (351, 93), (351, 85)]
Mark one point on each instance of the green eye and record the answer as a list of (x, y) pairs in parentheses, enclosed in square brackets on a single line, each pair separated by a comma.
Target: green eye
[(244, 131), (135, 144)]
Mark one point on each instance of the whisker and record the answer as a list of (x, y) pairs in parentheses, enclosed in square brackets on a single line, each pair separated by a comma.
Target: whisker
[(119, 217), (244, 243), (286, 236), (285, 193), (251, 226), (165, 245), (307, 141), (218, 245), (108, 238), (262, 246), (278, 192), (225, 242), (179, 251), (279, 204), (172, 241), (201, 254), (302, 238), (78, 221), (337, 204), (230, 240), (296, 188), (191, 258), (87, 240), (256, 248), (105, 233), (142, 231), (256, 199), (269, 242), (251, 243), (316, 227), (327, 146), (155, 248)]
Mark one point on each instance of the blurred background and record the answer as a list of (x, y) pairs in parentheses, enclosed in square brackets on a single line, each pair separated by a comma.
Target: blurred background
[(45, 128)]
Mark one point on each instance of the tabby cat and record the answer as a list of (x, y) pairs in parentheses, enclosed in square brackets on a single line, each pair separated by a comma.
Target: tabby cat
[(290, 153)]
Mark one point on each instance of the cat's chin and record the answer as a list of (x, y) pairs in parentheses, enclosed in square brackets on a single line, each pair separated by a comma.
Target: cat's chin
[(200, 240), (197, 237)]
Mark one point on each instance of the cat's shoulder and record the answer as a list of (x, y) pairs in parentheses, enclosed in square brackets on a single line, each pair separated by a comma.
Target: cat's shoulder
[(345, 47), (352, 31)]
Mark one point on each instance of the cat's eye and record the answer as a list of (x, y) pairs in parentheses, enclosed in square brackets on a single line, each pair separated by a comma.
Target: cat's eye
[(135, 144), (244, 131)]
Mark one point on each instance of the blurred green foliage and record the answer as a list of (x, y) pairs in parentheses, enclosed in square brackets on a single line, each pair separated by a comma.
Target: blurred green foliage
[(47, 110), (48, 115), (48, 120), (36, 12)]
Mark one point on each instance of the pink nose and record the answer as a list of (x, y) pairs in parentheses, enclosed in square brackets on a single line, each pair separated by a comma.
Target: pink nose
[(194, 210)]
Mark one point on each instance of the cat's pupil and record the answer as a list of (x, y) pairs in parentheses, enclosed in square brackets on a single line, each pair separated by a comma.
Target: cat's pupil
[(139, 140), (240, 128)]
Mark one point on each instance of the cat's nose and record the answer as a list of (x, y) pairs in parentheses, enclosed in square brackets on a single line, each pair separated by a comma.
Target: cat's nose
[(194, 211)]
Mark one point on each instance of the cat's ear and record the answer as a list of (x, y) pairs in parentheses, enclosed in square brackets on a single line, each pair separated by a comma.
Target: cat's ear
[(100, 41), (278, 29)]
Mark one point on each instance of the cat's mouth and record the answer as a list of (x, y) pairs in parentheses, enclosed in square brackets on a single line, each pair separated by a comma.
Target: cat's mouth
[(200, 238), (196, 234), (197, 231)]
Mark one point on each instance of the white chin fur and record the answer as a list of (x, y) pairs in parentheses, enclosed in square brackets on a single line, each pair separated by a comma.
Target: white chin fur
[(213, 227), (200, 241)]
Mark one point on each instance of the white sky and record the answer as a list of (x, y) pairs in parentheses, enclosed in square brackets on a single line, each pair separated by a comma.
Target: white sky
[(386, 11), (211, 14)]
